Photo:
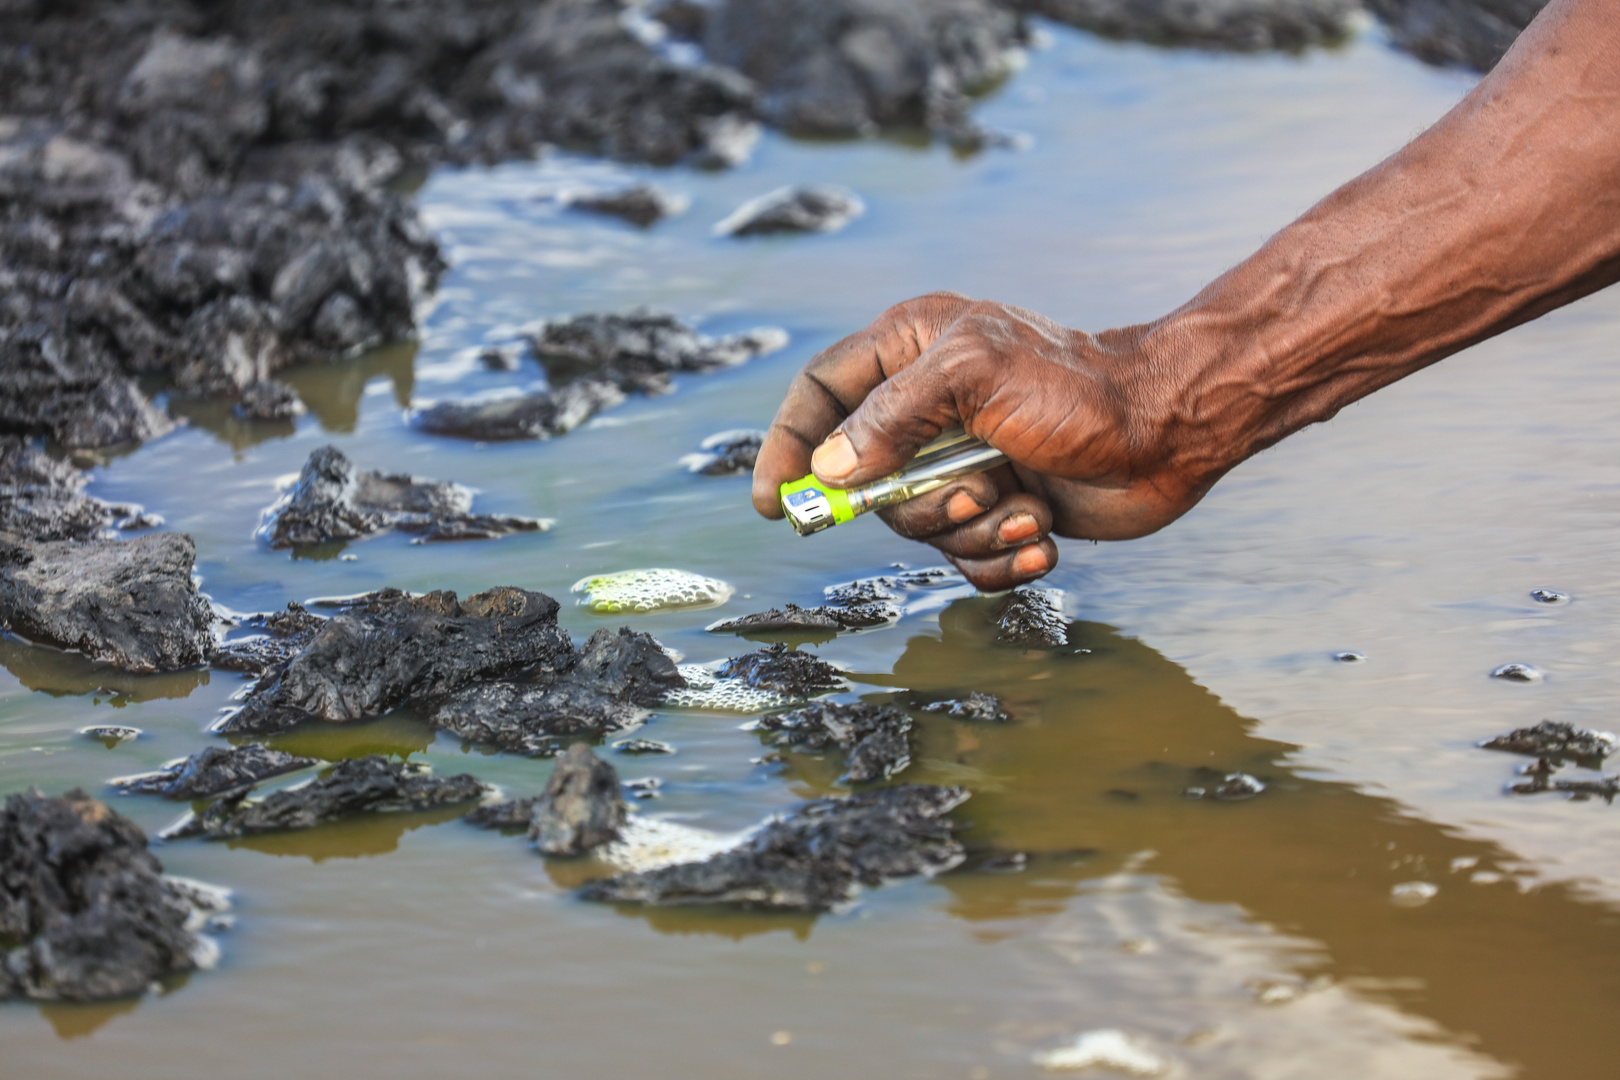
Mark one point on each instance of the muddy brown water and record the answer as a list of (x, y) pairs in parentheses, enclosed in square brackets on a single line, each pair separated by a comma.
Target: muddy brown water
[(1253, 939)]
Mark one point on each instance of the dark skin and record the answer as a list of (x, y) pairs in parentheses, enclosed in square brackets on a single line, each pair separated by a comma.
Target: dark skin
[(1505, 209)]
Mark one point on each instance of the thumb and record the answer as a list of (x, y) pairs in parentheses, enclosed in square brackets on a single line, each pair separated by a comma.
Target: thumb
[(901, 415)]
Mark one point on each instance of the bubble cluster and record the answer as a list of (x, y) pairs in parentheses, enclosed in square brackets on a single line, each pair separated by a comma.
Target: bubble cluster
[(706, 690), (635, 592)]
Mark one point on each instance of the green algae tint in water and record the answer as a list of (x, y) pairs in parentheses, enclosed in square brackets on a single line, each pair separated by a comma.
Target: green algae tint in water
[(1230, 939)]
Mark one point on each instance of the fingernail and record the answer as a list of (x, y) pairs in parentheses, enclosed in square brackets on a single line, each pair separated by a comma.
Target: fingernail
[(1030, 560), (961, 507), (835, 458), (1018, 527)]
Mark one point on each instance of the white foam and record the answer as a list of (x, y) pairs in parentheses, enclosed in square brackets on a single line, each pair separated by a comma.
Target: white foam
[(650, 843), (705, 690), (657, 589), (1105, 1048)]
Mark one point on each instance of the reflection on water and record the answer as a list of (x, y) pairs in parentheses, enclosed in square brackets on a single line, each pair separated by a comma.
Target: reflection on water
[(398, 735), (75, 1021), (333, 391), (1112, 717), (219, 419), (67, 674), (358, 837)]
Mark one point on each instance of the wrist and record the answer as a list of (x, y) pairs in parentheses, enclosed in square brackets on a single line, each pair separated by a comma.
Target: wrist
[(1200, 403)]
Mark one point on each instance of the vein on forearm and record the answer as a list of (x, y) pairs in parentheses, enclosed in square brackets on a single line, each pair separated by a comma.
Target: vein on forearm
[(1505, 209)]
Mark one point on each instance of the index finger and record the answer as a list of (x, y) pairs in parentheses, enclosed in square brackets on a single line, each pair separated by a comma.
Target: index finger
[(836, 380)]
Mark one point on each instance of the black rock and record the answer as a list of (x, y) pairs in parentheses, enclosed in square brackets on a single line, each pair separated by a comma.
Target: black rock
[(1604, 787), (975, 705), (333, 501), (846, 67), (640, 204), (875, 736), (1557, 740), (726, 453), (511, 814), (269, 399), (537, 415), (110, 735), (1468, 33), (802, 209), (784, 671), (84, 905), (1549, 596), (214, 771), (390, 649), (642, 746), (1241, 25), (43, 499), (886, 588), (356, 786), (1516, 672), (794, 617), (1032, 617), (637, 352), (581, 808), (813, 858), (610, 685), (1539, 778), (131, 603), (284, 634), (1223, 787)]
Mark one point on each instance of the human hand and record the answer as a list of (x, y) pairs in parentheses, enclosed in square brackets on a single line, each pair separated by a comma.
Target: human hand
[(1097, 448)]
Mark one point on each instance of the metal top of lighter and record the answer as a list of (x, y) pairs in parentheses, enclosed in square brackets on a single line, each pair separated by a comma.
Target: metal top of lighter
[(811, 505)]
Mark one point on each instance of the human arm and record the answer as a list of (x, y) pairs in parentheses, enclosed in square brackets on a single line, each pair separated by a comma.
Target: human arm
[(1508, 207)]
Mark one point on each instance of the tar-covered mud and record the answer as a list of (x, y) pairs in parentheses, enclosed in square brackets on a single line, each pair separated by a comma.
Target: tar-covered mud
[(1240, 799)]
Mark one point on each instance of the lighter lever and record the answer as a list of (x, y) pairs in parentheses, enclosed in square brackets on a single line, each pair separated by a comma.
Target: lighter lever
[(811, 505)]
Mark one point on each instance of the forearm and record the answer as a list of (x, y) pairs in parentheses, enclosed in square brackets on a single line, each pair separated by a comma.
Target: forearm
[(1505, 209)]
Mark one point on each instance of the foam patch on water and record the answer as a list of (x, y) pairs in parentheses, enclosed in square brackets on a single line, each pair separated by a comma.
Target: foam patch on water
[(650, 843), (640, 591), (1105, 1048), (707, 690)]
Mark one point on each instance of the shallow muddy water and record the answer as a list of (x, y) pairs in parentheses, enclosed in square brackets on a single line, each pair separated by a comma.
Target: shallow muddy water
[(1252, 939)]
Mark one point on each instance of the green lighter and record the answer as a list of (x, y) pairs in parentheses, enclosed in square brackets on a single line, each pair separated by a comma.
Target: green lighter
[(811, 505)]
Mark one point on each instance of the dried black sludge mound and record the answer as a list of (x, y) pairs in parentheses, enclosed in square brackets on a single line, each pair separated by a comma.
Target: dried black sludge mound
[(813, 858), (355, 786), (390, 649), (875, 736), (84, 903), (214, 771)]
